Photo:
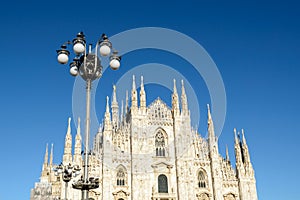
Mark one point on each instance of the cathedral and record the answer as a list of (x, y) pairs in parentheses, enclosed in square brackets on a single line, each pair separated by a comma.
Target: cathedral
[(151, 152)]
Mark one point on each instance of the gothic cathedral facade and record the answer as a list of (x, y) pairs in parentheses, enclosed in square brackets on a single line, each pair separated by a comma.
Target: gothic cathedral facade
[(152, 152)]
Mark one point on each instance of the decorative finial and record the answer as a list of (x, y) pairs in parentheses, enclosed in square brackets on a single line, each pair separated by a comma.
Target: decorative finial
[(208, 112), (78, 127), (227, 154), (182, 87), (235, 135), (107, 104), (142, 84), (174, 86), (243, 136), (46, 155), (51, 155), (133, 83), (126, 102), (122, 110), (114, 100), (69, 126)]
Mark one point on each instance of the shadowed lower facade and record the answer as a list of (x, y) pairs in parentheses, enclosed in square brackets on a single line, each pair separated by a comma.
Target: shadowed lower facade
[(152, 152)]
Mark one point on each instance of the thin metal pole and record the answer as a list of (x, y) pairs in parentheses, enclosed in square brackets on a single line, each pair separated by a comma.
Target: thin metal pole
[(82, 195), (66, 190), (87, 133)]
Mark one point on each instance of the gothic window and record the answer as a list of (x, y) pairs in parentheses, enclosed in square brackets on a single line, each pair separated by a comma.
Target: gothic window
[(162, 184), (160, 144), (121, 176), (202, 180)]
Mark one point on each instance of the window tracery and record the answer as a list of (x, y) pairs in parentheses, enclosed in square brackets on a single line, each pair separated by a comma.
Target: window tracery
[(159, 113), (121, 176), (202, 179), (160, 144)]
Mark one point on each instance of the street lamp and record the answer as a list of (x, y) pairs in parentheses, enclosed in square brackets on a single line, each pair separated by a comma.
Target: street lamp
[(67, 171), (88, 66)]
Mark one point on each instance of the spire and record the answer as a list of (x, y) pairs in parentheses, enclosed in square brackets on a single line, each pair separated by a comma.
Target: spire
[(245, 150), (69, 126), (237, 149), (212, 140), (78, 139), (107, 105), (133, 83), (175, 102), (184, 104), (107, 120), (115, 109), (67, 157), (51, 156), (236, 139), (227, 154), (133, 96), (122, 111), (126, 103), (142, 96), (211, 131), (243, 137), (208, 113), (114, 100), (77, 148), (44, 175), (46, 156)]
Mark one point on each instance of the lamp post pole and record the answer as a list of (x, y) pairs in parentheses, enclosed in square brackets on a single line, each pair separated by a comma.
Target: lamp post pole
[(67, 171), (88, 66), (87, 131)]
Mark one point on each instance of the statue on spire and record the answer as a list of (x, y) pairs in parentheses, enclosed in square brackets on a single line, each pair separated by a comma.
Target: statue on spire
[(175, 102), (184, 109), (142, 96), (115, 109), (133, 96)]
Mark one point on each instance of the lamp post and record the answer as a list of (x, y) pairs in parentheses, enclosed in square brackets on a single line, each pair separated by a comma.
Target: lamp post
[(88, 66), (67, 171)]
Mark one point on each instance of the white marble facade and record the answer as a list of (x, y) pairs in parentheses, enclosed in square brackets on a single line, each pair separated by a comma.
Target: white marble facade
[(151, 152)]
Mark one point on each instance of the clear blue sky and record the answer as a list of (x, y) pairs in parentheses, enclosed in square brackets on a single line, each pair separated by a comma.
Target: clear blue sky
[(255, 44)]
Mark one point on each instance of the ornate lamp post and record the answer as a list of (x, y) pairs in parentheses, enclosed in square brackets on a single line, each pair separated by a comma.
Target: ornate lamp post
[(67, 171), (88, 66)]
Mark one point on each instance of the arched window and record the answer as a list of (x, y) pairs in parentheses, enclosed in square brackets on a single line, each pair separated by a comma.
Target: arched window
[(121, 176), (160, 144), (162, 184), (202, 180)]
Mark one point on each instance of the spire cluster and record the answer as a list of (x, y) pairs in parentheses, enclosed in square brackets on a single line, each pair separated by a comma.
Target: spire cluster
[(243, 163), (175, 101), (134, 108)]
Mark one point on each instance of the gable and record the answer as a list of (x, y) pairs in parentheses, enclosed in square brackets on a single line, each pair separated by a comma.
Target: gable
[(159, 113)]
